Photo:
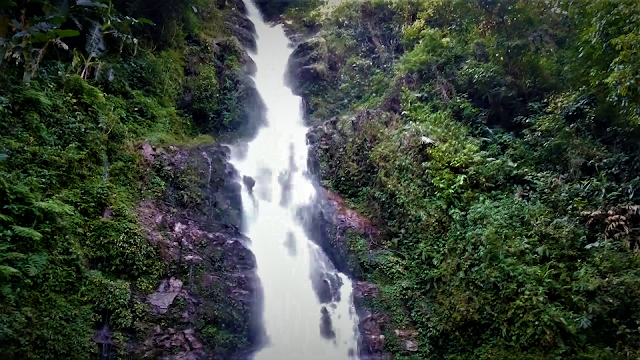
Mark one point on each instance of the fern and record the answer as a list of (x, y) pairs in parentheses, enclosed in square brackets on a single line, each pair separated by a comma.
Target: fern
[(54, 206), (36, 263), (8, 271), (26, 232)]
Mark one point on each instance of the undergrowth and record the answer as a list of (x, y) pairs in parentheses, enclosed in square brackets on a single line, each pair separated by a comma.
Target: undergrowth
[(493, 142), (82, 86)]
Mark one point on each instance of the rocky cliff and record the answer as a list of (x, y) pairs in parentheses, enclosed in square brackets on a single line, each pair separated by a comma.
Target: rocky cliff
[(205, 306)]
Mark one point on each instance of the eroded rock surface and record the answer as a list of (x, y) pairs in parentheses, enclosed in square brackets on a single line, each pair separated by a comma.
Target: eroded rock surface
[(308, 65), (348, 237), (164, 296), (205, 308)]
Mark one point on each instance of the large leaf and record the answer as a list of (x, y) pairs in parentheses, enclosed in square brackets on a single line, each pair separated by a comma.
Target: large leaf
[(4, 26), (145, 21), (95, 41), (39, 37), (90, 3)]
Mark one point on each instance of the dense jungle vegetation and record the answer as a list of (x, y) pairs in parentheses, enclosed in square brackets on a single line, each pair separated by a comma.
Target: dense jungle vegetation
[(495, 143), (82, 85)]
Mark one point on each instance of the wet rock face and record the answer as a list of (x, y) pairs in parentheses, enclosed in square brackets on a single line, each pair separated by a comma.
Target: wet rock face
[(326, 328), (211, 292), (327, 286), (329, 230), (372, 323), (249, 183), (331, 226), (243, 29), (307, 66), (240, 103)]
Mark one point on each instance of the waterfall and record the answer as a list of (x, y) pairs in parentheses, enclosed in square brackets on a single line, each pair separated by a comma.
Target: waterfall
[(308, 305)]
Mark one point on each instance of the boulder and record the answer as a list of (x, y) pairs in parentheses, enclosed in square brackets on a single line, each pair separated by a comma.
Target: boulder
[(326, 328), (244, 30), (308, 65), (249, 183), (166, 293), (407, 338)]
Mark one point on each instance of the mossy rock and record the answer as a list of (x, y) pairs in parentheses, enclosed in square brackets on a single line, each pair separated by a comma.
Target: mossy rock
[(308, 66)]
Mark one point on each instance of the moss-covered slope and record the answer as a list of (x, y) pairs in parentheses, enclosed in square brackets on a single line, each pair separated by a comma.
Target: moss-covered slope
[(88, 90), (492, 143)]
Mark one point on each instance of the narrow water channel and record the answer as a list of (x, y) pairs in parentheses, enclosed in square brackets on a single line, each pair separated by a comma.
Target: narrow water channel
[(308, 305)]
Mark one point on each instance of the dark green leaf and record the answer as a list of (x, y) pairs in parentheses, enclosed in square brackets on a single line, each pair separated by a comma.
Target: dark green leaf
[(6, 3), (4, 26)]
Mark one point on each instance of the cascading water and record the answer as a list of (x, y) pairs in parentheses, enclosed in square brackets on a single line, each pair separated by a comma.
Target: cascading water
[(308, 305)]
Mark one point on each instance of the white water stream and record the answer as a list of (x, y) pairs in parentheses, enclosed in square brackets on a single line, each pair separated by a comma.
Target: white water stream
[(286, 259)]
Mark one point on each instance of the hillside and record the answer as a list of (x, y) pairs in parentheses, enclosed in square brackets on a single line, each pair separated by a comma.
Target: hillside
[(117, 209), (494, 145), (482, 156)]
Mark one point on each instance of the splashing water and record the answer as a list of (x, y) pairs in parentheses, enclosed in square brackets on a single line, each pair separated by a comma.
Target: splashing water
[(308, 304)]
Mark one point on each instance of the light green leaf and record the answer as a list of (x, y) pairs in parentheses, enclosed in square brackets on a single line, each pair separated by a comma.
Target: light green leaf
[(9, 271), (27, 232), (146, 21), (66, 33), (55, 206)]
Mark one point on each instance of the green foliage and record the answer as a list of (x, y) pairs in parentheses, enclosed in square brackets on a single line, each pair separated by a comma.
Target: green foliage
[(26, 31), (224, 326), (73, 257), (271, 10), (609, 46), (216, 90), (501, 167)]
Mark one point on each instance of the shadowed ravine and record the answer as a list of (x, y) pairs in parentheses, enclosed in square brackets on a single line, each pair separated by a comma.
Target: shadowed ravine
[(308, 310)]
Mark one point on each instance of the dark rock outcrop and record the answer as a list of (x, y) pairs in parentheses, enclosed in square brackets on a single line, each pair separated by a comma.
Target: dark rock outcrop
[(206, 306), (335, 227), (229, 105), (249, 182), (330, 229), (243, 29), (307, 66)]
